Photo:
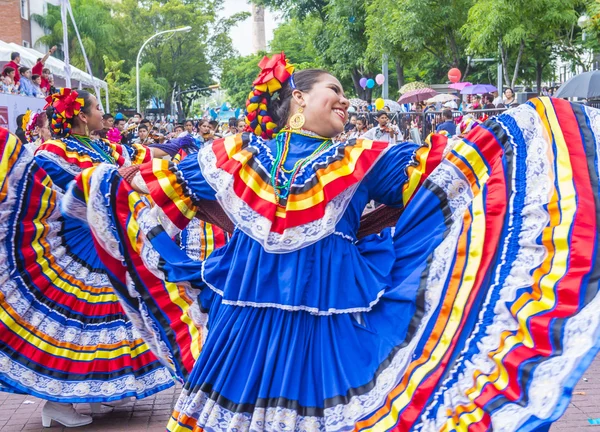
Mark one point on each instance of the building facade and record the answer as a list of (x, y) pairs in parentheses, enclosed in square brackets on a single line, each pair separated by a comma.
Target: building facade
[(17, 25)]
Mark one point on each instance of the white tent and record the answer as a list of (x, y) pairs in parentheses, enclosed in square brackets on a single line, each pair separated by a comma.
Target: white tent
[(56, 66), (29, 57)]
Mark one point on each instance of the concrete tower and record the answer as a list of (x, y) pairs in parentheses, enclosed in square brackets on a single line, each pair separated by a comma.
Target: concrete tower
[(259, 41)]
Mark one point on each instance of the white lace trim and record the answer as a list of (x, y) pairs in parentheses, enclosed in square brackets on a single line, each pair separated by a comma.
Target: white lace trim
[(31, 312), (81, 391), (542, 393), (98, 216), (291, 308), (257, 226), (581, 333), (213, 417)]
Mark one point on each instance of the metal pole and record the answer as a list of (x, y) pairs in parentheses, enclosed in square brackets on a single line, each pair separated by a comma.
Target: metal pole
[(65, 24), (500, 72), (385, 72), (499, 81), (137, 61)]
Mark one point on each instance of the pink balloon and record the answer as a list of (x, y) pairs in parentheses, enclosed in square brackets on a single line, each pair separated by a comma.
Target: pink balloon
[(380, 79)]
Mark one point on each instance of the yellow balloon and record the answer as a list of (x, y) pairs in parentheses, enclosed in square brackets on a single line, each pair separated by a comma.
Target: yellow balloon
[(379, 104)]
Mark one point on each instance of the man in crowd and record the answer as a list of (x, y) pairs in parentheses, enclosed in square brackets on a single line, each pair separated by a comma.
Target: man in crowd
[(497, 98), (119, 122), (178, 130), (143, 135), (384, 131), (232, 127), (15, 59), (489, 101), (448, 125), (20, 132), (39, 69), (108, 121), (146, 122), (131, 127)]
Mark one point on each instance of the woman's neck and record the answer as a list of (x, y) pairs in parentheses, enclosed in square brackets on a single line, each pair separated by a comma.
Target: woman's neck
[(79, 131)]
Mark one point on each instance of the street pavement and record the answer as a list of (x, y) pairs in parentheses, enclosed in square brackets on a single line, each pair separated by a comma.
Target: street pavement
[(23, 413)]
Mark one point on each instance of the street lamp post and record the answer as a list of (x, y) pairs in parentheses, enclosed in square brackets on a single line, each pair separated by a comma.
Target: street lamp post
[(137, 62)]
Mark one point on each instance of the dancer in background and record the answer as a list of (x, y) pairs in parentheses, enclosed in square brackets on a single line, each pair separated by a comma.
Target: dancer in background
[(64, 337)]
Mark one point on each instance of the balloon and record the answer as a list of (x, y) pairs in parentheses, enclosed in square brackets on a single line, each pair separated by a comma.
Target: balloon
[(380, 79), (370, 83), (379, 104), (363, 82), (454, 75)]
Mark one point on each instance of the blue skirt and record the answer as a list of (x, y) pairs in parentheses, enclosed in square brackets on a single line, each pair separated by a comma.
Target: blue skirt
[(478, 310)]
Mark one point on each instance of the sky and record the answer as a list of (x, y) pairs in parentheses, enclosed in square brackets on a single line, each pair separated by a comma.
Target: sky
[(242, 34)]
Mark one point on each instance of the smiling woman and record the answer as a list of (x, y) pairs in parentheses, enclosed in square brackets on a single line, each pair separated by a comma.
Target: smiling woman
[(489, 272)]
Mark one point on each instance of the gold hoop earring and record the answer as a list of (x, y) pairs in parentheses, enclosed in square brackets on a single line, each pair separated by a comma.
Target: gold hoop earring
[(298, 119)]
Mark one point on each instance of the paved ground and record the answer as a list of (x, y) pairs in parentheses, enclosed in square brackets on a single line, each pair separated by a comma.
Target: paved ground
[(22, 413)]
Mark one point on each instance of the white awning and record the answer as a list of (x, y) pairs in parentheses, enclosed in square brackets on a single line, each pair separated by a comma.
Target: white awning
[(29, 57)]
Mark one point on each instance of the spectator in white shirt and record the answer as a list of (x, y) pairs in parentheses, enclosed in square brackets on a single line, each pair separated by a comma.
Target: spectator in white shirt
[(384, 131)]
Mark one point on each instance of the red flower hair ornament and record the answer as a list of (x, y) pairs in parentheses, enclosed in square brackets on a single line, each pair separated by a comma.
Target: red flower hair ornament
[(67, 104), (275, 71)]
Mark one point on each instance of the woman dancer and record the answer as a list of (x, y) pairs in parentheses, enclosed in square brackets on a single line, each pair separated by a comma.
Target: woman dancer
[(64, 337), (478, 311), (37, 130)]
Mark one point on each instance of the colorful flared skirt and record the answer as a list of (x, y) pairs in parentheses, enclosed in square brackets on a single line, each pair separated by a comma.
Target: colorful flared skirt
[(500, 246), (63, 334)]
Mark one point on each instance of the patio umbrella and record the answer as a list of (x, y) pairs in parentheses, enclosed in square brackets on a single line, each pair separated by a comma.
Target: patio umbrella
[(459, 86), (585, 85), (412, 86), (442, 98), (419, 95), (356, 102), (393, 105), (478, 89)]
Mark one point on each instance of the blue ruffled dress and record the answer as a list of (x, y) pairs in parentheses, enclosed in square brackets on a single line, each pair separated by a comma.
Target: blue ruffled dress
[(310, 328)]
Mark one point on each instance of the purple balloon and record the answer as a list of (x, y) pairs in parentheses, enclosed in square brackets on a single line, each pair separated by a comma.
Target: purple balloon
[(363, 82)]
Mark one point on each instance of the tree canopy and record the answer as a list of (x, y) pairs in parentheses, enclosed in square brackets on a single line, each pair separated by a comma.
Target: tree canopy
[(422, 39), (113, 32)]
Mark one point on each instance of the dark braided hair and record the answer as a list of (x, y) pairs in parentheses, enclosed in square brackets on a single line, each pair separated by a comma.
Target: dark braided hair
[(61, 126), (268, 105)]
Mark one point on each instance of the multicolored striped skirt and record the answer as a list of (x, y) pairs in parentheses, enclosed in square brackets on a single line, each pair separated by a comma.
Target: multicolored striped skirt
[(501, 242), (63, 334)]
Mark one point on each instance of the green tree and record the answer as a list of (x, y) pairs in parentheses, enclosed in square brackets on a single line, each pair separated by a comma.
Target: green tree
[(96, 27), (296, 38), (378, 23), (170, 63), (117, 81), (296, 8), (518, 28), (423, 26), (237, 77)]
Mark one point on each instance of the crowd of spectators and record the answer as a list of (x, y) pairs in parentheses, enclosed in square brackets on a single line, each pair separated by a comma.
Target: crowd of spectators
[(139, 130), (35, 82)]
